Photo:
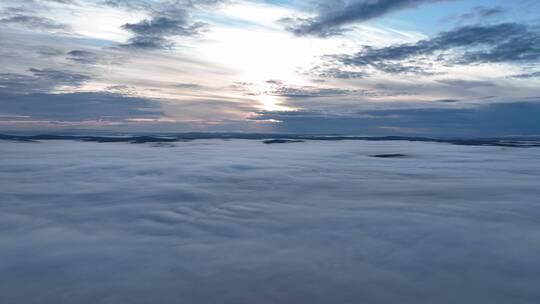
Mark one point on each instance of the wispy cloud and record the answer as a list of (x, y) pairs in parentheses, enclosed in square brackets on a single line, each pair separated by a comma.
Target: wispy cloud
[(527, 75), (82, 56), (34, 22), (333, 15), (506, 42), (479, 14)]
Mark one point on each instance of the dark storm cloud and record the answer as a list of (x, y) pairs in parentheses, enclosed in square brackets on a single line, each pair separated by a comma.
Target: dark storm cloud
[(518, 118), (41, 80), (335, 14), (33, 22), (78, 106), (507, 42)]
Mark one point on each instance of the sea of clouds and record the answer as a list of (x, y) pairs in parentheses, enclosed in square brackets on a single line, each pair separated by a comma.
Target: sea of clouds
[(238, 221)]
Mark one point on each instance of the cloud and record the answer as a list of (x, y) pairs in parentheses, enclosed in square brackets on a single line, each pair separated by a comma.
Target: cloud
[(61, 77), (333, 15), (62, 1), (506, 42), (489, 11), (167, 20), (82, 56), (279, 88), (78, 106), (338, 73), (34, 22), (30, 96), (156, 6), (527, 75), (480, 13), (213, 110), (466, 84), (161, 26), (302, 96), (121, 89), (496, 119), (448, 100), (48, 51), (238, 221), (128, 4), (41, 80), (154, 33), (188, 86), (307, 91)]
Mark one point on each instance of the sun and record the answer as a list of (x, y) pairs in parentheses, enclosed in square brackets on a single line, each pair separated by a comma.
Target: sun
[(272, 103)]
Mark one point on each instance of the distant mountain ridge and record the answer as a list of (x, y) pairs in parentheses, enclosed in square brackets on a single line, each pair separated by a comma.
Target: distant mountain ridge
[(512, 141)]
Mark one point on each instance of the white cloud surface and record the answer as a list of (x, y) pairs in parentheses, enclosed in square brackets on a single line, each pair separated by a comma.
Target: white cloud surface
[(243, 222)]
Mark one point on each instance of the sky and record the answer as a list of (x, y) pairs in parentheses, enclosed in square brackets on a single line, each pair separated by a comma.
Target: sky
[(364, 67)]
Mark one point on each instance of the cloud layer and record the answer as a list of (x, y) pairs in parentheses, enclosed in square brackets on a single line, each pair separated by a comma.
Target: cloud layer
[(518, 118), (40, 80), (79, 106), (244, 222)]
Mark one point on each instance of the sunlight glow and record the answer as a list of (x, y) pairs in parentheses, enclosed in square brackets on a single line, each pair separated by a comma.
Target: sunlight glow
[(272, 103)]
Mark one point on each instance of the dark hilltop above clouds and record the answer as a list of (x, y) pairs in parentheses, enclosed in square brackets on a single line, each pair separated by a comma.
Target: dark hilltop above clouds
[(511, 141)]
